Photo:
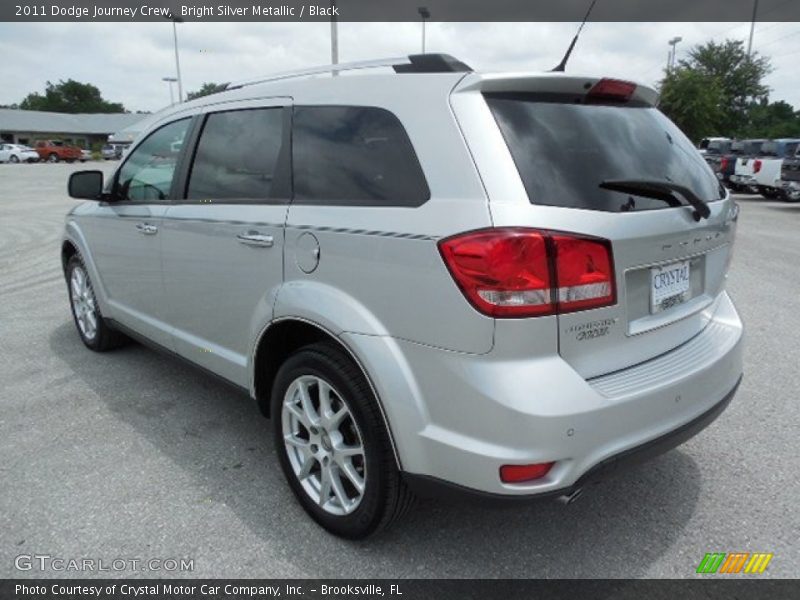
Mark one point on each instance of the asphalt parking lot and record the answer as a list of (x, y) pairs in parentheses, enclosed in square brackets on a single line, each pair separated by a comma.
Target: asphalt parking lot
[(131, 454)]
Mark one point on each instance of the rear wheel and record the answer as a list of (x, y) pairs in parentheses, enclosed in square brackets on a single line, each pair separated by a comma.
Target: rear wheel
[(13, 158), (93, 329), (333, 445), (768, 193), (53, 158)]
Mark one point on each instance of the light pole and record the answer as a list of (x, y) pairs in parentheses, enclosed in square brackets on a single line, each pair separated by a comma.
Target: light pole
[(176, 20), (334, 36), (424, 14), (752, 27), (671, 57), (170, 80)]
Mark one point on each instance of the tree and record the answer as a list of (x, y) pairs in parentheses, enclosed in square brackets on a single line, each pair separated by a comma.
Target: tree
[(739, 76), (772, 120), (70, 97), (719, 74), (693, 100), (206, 89)]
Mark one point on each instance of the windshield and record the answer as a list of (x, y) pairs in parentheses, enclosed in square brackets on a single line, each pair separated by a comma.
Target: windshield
[(718, 147), (769, 149), (565, 151)]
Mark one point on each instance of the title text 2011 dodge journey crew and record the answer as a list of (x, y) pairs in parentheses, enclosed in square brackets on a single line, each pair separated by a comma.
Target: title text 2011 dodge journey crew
[(432, 280)]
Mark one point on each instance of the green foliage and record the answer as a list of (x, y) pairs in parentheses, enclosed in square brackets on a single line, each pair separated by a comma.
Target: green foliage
[(718, 90), (693, 100), (772, 120), (206, 89), (70, 97), (739, 77)]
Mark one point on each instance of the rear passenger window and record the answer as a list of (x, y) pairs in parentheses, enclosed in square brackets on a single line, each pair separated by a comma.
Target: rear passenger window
[(354, 156), (237, 156)]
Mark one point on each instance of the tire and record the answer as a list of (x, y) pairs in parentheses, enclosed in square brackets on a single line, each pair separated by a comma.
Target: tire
[(343, 509), (768, 193), (13, 158), (83, 304), (790, 196), (53, 158)]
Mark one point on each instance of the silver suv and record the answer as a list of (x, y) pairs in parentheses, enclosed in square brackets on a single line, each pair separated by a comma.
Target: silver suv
[(433, 281)]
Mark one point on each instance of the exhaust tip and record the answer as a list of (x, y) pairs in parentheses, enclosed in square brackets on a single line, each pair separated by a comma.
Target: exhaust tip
[(571, 497)]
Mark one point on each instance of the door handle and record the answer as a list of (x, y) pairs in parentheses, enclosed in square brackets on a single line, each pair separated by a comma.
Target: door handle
[(146, 229), (253, 238)]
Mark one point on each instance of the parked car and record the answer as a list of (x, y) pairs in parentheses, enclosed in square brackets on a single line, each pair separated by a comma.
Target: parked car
[(14, 153), (718, 153), (112, 151), (714, 145), (446, 282), (56, 150), (767, 167), (85, 155), (743, 177), (790, 177)]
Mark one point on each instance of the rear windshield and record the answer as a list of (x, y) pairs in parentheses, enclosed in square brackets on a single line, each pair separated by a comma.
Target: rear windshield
[(565, 151), (718, 147), (769, 149), (751, 148)]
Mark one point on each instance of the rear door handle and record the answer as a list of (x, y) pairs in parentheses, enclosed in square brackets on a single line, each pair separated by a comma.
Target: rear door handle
[(146, 229), (254, 238)]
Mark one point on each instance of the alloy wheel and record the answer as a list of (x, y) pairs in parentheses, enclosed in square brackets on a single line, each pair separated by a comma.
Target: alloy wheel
[(83, 303), (324, 445)]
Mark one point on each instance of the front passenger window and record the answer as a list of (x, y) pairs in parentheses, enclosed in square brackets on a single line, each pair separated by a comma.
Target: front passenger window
[(147, 174)]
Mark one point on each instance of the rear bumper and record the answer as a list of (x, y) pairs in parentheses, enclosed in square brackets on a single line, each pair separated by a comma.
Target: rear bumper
[(743, 179), (433, 487), (475, 413)]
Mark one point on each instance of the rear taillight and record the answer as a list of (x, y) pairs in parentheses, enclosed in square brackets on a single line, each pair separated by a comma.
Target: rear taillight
[(520, 272), (756, 165), (611, 90), (723, 164)]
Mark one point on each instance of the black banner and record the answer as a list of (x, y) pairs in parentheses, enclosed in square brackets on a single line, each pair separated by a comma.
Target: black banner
[(710, 588), (398, 10)]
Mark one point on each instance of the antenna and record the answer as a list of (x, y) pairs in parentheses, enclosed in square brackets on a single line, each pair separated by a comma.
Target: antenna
[(562, 65)]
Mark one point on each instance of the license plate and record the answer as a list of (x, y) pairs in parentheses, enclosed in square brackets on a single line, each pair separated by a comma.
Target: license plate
[(669, 286)]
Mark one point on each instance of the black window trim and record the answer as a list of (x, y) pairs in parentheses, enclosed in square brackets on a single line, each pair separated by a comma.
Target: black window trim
[(283, 173), (308, 202)]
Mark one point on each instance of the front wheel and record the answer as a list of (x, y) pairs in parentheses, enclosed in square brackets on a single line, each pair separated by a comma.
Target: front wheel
[(93, 329), (333, 445), (53, 158)]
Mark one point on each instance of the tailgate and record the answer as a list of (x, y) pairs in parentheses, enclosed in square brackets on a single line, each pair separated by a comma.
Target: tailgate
[(669, 267), (669, 272)]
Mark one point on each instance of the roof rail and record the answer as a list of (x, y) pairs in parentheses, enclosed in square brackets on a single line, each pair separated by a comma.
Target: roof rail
[(414, 63)]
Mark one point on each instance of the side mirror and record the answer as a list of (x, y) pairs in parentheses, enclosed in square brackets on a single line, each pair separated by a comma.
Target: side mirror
[(87, 185)]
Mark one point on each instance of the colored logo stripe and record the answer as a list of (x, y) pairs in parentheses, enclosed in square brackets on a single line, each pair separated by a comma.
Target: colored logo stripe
[(734, 562), (758, 563), (711, 562)]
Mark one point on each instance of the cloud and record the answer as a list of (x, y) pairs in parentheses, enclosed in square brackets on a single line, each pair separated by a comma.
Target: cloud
[(128, 60)]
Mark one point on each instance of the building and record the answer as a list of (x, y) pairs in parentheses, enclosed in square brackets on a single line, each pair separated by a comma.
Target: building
[(82, 130)]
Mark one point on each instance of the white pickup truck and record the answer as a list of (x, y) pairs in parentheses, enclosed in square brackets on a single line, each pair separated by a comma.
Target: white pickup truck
[(767, 168), (744, 174)]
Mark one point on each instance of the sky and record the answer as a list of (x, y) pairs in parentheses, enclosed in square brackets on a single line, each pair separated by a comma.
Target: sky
[(127, 61)]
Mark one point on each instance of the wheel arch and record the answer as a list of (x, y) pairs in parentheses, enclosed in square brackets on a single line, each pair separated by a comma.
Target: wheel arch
[(68, 250), (279, 340)]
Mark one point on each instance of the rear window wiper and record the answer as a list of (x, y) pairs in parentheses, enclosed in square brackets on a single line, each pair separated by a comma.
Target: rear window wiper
[(660, 190)]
